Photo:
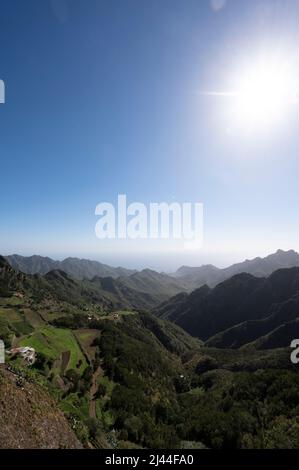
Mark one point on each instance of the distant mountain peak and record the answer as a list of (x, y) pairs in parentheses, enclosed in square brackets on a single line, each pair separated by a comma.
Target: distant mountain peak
[(239, 310), (75, 267), (195, 277), (288, 252)]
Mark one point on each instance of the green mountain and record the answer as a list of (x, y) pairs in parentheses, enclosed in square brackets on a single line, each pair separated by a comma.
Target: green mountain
[(75, 267), (127, 379), (277, 329), (239, 310), (158, 286), (115, 286), (98, 293)]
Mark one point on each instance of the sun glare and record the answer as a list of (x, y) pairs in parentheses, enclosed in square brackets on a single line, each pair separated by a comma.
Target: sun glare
[(264, 93)]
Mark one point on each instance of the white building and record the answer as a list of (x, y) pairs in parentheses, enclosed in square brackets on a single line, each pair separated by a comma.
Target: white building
[(27, 353)]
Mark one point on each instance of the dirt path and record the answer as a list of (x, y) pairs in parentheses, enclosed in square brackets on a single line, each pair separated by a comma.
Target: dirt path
[(93, 390)]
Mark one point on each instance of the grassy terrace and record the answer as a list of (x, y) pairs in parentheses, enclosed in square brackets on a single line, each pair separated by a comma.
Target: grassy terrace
[(53, 342)]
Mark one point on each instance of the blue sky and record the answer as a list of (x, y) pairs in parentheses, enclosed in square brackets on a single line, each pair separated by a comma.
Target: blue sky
[(104, 97)]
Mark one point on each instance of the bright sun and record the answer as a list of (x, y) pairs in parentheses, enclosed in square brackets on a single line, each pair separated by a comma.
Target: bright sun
[(264, 92)]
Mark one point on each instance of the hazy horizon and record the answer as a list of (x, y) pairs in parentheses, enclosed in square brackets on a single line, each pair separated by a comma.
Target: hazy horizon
[(170, 267)]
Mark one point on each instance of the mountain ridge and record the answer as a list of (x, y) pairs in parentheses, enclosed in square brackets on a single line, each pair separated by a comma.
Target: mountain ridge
[(79, 268), (239, 310), (209, 274), (126, 379)]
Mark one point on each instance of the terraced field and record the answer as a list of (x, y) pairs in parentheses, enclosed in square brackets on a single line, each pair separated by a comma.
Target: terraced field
[(57, 344), (13, 323), (85, 338)]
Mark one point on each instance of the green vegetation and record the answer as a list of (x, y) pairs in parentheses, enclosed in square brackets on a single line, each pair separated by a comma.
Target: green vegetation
[(249, 410), (131, 380), (53, 342)]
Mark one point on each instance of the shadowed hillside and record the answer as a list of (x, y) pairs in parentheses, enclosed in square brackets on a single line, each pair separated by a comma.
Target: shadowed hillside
[(239, 310), (127, 379)]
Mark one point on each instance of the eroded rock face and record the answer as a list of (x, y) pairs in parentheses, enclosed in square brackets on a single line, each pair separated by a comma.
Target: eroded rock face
[(30, 419)]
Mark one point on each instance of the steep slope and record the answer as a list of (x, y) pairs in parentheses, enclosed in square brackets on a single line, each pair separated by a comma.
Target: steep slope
[(158, 286), (141, 290), (100, 366), (282, 318), (193, 277), (280, 337), (129, 379), (30, 419), (10, 280), (102, 293), (243, 298), (32, 264), (122, 295)]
